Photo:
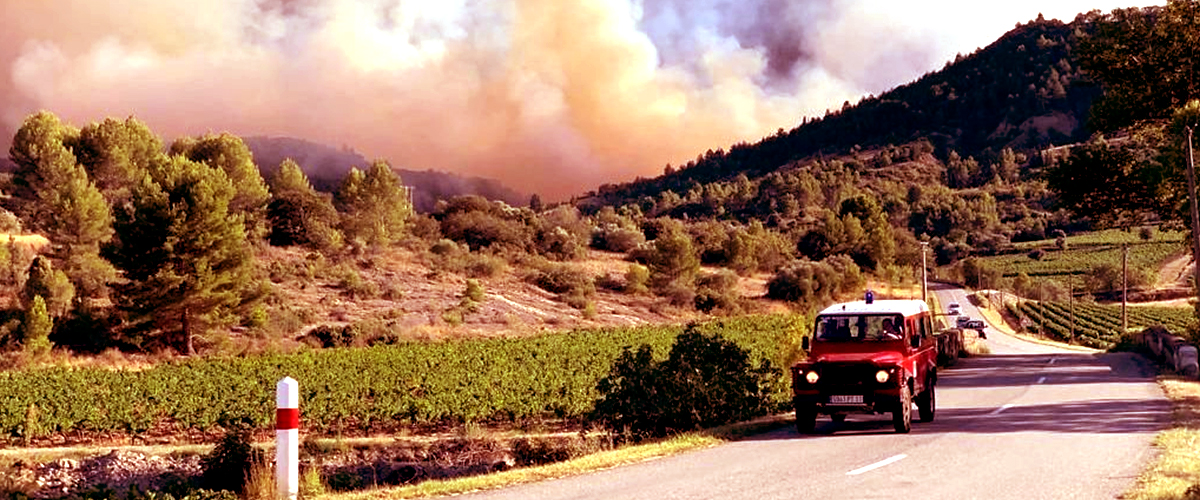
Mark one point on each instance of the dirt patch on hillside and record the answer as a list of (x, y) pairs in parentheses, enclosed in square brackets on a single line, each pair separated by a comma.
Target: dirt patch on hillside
[(409, 295)]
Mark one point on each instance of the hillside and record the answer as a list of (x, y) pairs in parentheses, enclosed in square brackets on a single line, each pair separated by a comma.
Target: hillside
[(326, 166), (1023, 92)]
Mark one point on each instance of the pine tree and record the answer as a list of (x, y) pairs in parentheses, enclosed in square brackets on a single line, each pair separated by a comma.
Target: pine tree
[(185, 254), (50, 285), (116, 154), (228, 153), (299, 215), (374, 205), (36, 328)]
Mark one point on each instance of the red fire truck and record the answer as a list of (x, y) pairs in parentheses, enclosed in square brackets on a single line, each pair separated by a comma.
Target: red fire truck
[(870, 356)]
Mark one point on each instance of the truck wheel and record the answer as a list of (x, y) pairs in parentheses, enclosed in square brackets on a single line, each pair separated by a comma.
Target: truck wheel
[(806, 419), (927, 404), (902, 417)]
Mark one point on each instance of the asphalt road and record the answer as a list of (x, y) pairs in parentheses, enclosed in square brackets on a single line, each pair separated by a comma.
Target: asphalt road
[(1028, 421)]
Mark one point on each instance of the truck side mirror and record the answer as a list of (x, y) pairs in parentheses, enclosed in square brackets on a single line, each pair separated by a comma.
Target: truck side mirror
[(804, 343)]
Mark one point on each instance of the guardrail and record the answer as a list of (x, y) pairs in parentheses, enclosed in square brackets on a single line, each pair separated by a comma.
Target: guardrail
[(1172, 350), (950, 346)]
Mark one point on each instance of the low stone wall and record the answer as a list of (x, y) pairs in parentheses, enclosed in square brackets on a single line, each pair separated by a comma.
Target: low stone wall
[(1172, 350), (950, 346)]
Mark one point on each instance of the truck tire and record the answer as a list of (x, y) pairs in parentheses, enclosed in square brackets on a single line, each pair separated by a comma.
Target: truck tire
[(902, 417), (806, 419), (927, 404)]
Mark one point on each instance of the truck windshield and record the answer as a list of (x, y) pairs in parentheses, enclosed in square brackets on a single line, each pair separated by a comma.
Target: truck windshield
[(860, 327)]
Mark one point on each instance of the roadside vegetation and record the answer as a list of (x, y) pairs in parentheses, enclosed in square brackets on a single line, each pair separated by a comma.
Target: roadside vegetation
[(1175, 473), (220, 274)]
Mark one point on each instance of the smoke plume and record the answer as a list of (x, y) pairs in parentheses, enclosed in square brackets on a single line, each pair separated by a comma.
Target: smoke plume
[(548, 96)]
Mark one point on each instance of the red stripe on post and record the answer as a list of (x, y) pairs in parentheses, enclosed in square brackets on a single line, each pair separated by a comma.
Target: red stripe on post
[(287, 418)]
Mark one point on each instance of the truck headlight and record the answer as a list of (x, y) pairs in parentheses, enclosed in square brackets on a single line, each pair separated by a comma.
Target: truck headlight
[(881, 376), (812, 377)]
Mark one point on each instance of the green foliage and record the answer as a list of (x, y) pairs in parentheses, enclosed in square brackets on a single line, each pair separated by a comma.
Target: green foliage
[(1113, 184), (229, 154), (479, 223), (718, 291), (228, 466), (185, 255), (672, 259), (116, 155), (41, 151), (562, 234), (474, 291), (351, 282), (414, 383), (36, 328), (573, 286), (51, 285), (613, 237), (815, 282), (705, 381), (1095, 325), (374, 205), (328, 336), (1086, 251), (1145, 59), (636, 279), (298, 214)]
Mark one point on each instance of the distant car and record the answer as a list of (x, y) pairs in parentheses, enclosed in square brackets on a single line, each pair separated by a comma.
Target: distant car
[(962, 321), (953, 309), (975, 324)]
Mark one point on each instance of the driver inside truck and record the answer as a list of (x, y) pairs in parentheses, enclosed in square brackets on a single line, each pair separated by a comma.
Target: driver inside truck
[(889, 330)]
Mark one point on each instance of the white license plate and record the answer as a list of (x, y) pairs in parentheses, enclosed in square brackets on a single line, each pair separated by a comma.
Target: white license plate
[(846, 400)]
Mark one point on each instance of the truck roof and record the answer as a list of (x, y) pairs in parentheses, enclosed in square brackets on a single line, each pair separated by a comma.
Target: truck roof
[(902, 307)]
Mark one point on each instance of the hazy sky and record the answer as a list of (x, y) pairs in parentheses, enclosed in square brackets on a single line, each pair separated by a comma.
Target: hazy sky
[(549, 96)]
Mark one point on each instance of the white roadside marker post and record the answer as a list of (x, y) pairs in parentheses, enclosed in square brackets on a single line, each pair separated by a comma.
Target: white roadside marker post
[(287, 438)]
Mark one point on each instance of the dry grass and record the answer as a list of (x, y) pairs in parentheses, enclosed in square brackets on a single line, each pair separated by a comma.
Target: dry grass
[(1178, 466), (260, 484), (598, 461), (589, 463)]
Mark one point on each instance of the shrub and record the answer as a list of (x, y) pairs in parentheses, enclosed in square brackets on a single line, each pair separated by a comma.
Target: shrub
[(673, 259), (636, 279), (614, 238), (474, 291), (328, 336), (717, 291), (353, 284), (228, 466), (444, 247), (564, 280), (1036, 254), (1146, 233), (704, 382), (480, 265), (539, 451), (609, 281), (678, 293)]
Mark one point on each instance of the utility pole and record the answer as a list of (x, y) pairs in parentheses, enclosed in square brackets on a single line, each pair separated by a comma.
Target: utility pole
[(1071, 300), (1124, 288), (924, 279), (1191, 177)]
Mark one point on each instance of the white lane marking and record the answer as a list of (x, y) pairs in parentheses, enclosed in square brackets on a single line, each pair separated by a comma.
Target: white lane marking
[(882, 463), (1000, 409), (1042, 380)]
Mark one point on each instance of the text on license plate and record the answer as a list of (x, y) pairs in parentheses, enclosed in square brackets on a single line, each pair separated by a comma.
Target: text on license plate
[(846, 400)]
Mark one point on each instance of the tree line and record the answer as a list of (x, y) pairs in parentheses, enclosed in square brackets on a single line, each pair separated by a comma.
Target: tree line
[(151, 244)]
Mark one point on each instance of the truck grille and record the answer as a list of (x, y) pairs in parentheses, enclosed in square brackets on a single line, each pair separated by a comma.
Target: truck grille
[(847, 375)]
